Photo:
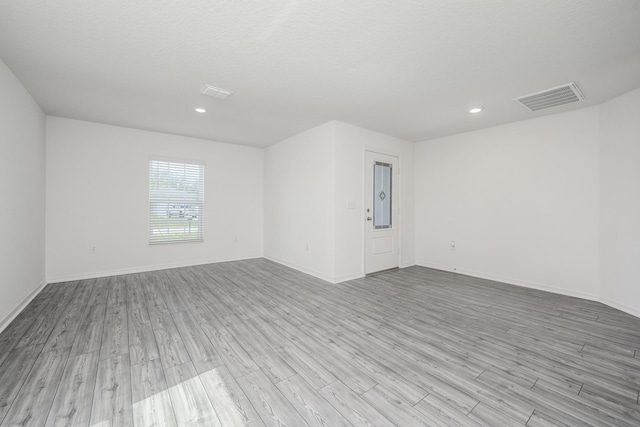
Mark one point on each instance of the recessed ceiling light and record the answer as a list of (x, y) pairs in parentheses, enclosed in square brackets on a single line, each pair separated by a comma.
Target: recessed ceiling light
[(475, 110), (200, 110)]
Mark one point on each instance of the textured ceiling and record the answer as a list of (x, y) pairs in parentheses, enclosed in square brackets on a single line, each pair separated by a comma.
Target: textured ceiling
[(410, 69)]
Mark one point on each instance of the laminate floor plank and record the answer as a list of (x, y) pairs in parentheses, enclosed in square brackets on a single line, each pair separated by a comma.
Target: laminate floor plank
[(384, 368), (347, 372), (89, 337), (64, 333), (352, 407), (188, 397), (115, 336), (32, 403), (487, 353), (264, 356), (253, 342), (620, 355), (546, 396), (268, 401), (397, 411), (72, 403), (444, 412), (82, 293), (150, 396), (228, 399), (541, 419), (13, 374), (99, 291), (46, 321), (142, 341), (171, 294), (170, 344), (612, 405), (135, 290), (112, 404), (311, 405), (581, 368), (201, 351), (23, 321), (234, 356), (5, 349), (307, 366), (489, 417), (116, 291)]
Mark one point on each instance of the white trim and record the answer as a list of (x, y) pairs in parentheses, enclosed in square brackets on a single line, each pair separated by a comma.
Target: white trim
[(400, 197), (627, 309), (348, 277), (14, 313), (406, 265), (302, 269), (178, 160), (436, 266), (521, 283), (143, 269)]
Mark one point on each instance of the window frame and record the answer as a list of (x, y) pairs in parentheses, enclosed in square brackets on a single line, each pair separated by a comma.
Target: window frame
[(176, 203)]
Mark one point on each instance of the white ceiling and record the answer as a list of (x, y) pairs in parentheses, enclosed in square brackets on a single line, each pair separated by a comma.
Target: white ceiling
[(410, 69)]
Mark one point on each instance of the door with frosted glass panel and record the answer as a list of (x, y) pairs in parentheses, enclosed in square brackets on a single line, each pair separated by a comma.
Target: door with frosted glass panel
[(381, 212)]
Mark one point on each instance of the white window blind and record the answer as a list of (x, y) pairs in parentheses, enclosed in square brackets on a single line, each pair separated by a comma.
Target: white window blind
[(176, 201)]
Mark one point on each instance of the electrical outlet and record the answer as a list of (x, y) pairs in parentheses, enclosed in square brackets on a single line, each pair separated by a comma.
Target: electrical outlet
[(453, 244), (93, 249)]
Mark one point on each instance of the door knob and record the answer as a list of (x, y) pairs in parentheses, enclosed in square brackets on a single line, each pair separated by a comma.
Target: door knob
[(368, 218)]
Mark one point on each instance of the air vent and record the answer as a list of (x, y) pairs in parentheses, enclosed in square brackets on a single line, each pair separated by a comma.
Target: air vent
[(565, 94), (216, 92)]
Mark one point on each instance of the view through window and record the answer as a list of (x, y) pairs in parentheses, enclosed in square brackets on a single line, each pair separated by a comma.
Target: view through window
[(176, 201)]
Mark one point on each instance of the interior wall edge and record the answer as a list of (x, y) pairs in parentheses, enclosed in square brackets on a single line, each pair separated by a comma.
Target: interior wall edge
[(21, 306), (302, 269), (348, 277), (622, 307), (516, 282), (406, 264), (541, 287), (143, 269)]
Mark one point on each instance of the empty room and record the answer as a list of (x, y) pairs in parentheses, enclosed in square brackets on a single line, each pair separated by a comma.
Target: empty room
[(320, 213)]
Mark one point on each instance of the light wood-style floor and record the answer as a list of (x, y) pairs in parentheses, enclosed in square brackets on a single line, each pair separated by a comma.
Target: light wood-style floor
[(255, 343)]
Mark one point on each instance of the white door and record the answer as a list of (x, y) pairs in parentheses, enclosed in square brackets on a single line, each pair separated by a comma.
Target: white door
[(381, 212)]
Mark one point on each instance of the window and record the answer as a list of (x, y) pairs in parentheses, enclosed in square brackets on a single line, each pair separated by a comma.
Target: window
[(382, 196), (176, 201)]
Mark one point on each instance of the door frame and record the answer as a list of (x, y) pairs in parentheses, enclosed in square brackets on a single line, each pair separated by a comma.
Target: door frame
[(399, 198)]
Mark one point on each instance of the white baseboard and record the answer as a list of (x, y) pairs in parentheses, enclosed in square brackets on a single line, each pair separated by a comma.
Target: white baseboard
[(302, 269), (436, 266), (333, 280), (634, 311), (622, 307), (9, 317), (348, 277), (522, 283), (142, 269)]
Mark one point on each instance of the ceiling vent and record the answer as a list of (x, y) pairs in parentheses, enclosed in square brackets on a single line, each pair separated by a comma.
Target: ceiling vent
[(565, 94), (216, 92)]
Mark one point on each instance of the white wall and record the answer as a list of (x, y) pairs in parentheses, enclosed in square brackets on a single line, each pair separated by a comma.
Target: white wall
[(351, 144), (620, 202), (97, 193), (299, 201), (520, 200), (314, 195), (22, 190)]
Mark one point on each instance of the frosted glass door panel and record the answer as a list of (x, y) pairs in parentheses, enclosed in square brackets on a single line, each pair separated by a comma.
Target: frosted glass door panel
[(382, 195)]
